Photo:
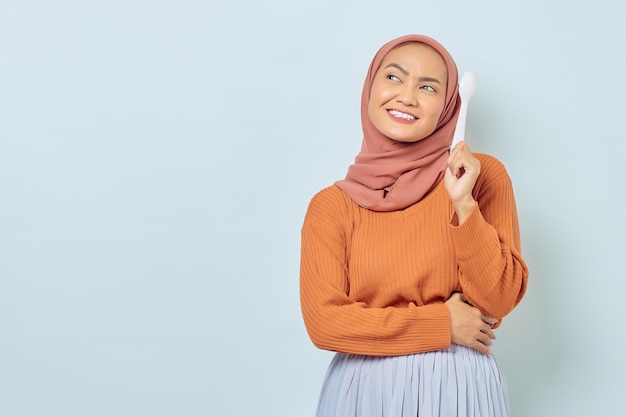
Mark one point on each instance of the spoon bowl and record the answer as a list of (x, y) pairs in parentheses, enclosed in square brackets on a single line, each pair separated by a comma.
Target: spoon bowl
[(467, 85)]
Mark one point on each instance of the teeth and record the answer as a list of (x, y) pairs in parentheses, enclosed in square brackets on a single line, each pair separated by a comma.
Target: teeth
[(397, 113)]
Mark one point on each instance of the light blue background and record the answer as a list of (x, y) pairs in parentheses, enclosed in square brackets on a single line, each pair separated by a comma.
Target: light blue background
[(157, 158)]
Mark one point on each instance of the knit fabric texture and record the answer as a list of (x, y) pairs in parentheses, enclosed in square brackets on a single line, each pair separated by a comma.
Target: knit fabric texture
[(375, 283)]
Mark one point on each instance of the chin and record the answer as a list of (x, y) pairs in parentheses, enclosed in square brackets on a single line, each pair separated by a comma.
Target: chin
[(405, 140)]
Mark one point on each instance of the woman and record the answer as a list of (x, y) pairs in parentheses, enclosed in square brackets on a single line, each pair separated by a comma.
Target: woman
[(411, 261)]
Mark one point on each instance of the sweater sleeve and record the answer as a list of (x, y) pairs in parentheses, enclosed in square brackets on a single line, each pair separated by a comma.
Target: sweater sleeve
[(335, 321), (492, 273)]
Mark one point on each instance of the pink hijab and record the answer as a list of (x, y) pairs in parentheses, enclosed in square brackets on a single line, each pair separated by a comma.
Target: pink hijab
[(389, 175)]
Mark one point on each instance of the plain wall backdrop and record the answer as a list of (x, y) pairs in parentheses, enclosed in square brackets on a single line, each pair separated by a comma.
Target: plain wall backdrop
[(157, 159)]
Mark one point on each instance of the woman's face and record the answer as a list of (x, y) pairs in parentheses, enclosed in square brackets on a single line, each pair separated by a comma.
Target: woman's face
[(408, 93)]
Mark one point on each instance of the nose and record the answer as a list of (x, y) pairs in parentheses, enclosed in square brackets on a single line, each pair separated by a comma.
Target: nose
[(407, 96)]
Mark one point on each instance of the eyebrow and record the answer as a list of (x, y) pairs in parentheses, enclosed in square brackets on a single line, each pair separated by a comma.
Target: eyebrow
[(405, 72)]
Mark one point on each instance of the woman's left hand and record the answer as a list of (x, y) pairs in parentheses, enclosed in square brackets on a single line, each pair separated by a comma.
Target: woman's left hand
[(460, 177)]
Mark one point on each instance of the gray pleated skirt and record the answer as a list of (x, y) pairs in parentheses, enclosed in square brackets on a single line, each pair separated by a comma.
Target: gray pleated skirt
[(456, 382)]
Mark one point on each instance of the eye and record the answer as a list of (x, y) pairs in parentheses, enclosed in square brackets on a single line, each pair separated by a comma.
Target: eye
[(428, 88), (393, 77)]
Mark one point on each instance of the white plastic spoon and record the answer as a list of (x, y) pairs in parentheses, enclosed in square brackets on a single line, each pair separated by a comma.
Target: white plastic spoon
[(467, 88)]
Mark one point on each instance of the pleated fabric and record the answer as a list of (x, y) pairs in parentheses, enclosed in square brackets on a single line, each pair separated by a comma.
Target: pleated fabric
[(456, 382)]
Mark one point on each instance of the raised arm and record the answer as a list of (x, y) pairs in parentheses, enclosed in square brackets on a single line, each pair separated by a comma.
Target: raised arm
[(486, 240)]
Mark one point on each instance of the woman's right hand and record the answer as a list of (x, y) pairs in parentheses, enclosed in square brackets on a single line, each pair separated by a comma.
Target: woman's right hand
[(468, 325)]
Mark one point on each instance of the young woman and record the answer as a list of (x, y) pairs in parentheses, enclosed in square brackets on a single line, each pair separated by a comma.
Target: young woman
[(411, 261)]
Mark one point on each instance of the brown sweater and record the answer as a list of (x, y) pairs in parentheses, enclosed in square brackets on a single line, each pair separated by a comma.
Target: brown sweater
[(374, 283)]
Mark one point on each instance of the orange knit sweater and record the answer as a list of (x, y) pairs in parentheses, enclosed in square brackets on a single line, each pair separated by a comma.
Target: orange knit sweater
[(375, 283)]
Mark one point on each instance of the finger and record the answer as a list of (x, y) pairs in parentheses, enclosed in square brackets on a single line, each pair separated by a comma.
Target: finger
[(486, 328), (489, 320), (481, 348), (484, 339), (459, 146), (460, 151), (490, 333), (454, 156), (457, 164), (456, 169)]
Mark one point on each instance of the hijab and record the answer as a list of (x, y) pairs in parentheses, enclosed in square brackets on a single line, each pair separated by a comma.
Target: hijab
[(388, 175)]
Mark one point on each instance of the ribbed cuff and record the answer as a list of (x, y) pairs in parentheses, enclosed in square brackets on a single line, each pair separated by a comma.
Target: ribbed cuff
[(473, 241), (434, 320)]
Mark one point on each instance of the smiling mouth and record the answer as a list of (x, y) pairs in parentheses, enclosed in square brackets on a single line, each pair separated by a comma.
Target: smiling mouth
[(401, 115)]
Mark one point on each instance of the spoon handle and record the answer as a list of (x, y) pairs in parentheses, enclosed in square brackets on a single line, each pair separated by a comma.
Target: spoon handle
[(467, 87), (459, 131)]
